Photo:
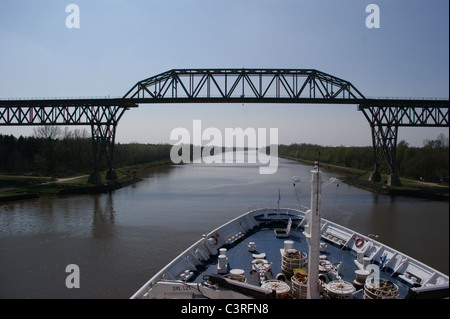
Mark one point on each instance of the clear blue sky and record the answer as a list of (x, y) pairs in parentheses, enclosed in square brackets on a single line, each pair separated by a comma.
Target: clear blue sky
[(120, 42)]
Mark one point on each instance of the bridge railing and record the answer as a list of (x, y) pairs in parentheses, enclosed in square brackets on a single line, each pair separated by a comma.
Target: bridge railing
[(59, 98), (394, 98)]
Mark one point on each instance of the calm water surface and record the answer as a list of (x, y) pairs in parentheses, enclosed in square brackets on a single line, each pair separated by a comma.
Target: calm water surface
[(120, 240)]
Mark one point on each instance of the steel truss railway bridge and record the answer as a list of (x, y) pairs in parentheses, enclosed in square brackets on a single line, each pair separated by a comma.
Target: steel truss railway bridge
[(300, 86)]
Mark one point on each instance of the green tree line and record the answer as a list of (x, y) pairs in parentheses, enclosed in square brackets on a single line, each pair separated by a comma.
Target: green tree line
[(52, 151), (429, 163)]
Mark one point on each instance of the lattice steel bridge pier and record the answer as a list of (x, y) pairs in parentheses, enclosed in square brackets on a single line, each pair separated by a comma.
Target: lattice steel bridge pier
[(386, 116), (275, 86)]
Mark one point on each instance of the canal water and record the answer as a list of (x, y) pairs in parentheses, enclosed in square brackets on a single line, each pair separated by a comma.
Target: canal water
[(119, 240)]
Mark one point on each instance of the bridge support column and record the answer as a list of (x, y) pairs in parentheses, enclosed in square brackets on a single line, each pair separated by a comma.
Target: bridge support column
[(384, 141), (103, 138), (375, 176), (394, 180)]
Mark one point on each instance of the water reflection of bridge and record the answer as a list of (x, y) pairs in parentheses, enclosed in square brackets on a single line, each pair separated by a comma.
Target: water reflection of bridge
[(301, 86)]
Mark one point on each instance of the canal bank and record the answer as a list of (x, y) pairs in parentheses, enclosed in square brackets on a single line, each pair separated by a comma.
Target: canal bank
[(55, 188), (76, 185), (360, 179)]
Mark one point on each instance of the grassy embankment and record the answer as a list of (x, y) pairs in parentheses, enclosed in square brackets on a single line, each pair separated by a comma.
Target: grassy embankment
[(13, 187), (360, 179)]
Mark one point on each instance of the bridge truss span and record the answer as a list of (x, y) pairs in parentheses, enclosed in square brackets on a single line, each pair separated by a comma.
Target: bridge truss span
[(62, 111), (404, 112), (244, 85)]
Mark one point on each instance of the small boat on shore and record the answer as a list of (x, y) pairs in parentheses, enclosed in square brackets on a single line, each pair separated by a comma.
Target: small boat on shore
[(293, 253)]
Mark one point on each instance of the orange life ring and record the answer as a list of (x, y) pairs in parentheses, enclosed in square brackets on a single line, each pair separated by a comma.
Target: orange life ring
[(359, 242), (216, 240)]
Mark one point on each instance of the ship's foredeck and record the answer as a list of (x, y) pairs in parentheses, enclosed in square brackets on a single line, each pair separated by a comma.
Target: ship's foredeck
[(240, 258)]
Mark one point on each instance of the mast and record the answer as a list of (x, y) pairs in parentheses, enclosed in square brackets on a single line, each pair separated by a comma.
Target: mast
[(314, 239)]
